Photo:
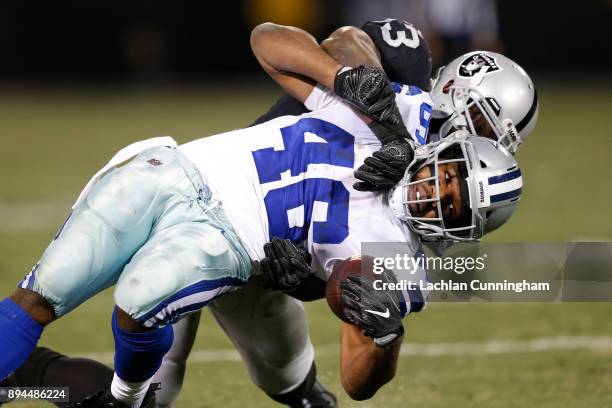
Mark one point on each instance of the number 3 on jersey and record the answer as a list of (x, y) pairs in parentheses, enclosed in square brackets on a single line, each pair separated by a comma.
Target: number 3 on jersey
[(407, 35), (306, 197)]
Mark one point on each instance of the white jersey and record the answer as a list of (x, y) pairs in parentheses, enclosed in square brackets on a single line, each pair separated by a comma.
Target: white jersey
[(292, 177)]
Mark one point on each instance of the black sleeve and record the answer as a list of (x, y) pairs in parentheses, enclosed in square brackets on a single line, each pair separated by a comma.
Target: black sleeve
[(286, 105), (404, 53)]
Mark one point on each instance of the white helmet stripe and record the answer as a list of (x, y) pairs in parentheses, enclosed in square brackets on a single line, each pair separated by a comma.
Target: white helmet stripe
[(510, 185)]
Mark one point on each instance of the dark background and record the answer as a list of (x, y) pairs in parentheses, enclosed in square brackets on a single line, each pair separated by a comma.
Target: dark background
[(140, 41)]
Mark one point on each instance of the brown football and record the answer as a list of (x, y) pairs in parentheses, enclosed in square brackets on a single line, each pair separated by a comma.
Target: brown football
[(342, 270)]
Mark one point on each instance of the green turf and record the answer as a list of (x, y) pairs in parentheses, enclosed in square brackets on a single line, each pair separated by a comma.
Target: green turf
[(53, 140)]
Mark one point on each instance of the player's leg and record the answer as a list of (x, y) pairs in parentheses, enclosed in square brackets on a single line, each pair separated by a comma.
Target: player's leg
[(20, 330), (172, 371), (270, 331), (85, 257), (48, 368), (182, 267)]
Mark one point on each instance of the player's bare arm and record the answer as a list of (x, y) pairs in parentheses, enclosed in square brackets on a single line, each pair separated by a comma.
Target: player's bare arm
[(364, 366), (370, 344), (352, 47), (293, 58)]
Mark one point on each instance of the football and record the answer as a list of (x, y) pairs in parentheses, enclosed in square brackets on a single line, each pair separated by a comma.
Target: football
[(342, 270)]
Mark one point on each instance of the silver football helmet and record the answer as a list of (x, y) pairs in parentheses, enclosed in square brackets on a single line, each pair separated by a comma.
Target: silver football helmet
[(458, 189), (488, 95)]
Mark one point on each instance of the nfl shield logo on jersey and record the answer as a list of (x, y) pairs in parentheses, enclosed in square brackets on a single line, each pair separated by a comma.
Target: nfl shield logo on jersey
[(476, 63)]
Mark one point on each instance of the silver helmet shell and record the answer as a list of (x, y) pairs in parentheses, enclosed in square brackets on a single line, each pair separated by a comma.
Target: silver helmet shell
[(493, 185), (497, 86)]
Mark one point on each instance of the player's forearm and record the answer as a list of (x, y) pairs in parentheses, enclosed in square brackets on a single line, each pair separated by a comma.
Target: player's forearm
[(351, 46), (365, 367), (285, 50)]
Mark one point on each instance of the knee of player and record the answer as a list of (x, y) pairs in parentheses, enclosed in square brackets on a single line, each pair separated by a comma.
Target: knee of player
[(136, 294), (175, 360), (147, 282)]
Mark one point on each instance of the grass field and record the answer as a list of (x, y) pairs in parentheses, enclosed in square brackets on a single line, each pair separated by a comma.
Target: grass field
[(460, 354)]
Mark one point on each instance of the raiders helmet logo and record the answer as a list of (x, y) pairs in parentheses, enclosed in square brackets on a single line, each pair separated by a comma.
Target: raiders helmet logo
[(476, 63)]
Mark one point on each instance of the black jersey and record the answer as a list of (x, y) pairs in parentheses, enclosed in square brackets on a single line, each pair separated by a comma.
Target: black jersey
[(404, 53)]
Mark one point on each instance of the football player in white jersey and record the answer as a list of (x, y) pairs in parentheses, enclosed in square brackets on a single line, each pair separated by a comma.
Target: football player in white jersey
[(408, 62), (170, 245)]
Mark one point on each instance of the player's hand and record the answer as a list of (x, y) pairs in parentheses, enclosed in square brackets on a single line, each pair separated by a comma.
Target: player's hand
[(377, 312), (284, 266), (368, 89), (385, 167)]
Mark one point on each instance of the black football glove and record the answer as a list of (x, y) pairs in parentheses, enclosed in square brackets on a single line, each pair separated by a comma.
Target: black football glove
[(385, 167), (377, 312), (284, 266), (369, 90)]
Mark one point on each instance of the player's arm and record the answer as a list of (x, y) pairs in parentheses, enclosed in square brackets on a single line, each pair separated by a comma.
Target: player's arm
[(370, 345), (396, 45), (293, 58), (364, 366), (352, 47)]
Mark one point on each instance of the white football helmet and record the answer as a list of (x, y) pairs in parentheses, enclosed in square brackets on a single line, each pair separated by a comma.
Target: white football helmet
[(488, 95), (488, 177)]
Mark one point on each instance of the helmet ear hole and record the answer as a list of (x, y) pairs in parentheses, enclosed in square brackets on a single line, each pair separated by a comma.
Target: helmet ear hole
[(483, 164), (446, 87), (488, 214)]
